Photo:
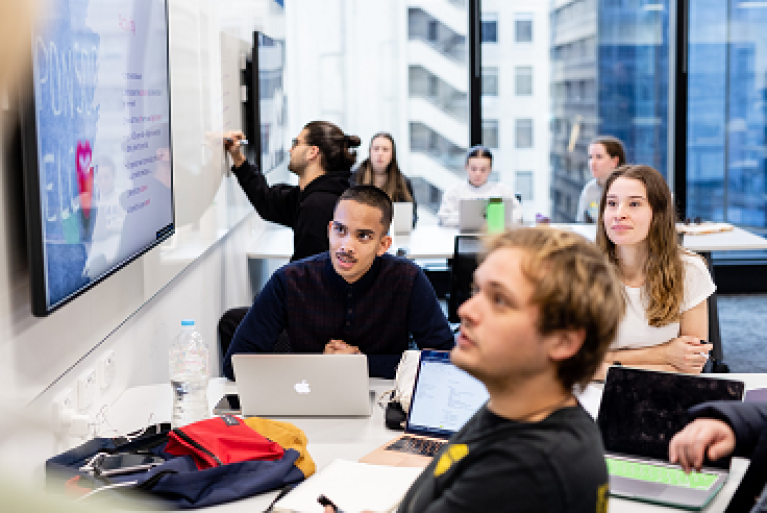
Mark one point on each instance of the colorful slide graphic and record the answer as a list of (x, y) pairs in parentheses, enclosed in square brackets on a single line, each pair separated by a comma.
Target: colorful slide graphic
[(83, 160)]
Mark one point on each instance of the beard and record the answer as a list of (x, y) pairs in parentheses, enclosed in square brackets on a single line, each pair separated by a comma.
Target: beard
[(297, 168)]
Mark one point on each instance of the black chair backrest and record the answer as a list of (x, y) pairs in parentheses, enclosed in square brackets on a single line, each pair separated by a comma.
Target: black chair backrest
[(464, 263)]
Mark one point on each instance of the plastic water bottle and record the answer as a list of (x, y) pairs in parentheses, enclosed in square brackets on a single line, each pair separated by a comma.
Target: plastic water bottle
[(189, 374)]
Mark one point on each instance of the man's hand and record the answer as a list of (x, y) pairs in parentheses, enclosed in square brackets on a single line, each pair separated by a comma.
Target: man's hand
[(687, 354), (340, 347), (232, 145), (690, 445)]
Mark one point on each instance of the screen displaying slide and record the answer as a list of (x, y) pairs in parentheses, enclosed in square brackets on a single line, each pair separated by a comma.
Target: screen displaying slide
[(102, 120), (446, 397)]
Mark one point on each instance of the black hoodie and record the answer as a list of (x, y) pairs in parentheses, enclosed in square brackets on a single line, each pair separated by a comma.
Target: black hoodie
[(308, 212)]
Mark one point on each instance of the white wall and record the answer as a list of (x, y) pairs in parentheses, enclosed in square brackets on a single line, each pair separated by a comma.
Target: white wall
[(136, 312)]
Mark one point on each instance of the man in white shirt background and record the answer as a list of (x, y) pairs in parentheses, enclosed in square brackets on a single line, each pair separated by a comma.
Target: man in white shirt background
[(479, 165)]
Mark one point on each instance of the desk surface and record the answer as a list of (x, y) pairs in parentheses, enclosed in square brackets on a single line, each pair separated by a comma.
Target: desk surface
[(353, 438), (431, 241)]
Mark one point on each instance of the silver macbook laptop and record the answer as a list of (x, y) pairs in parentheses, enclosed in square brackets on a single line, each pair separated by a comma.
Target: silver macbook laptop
[(444, 399), (402, 222), (302, 385), (472, 214), (640, 412)]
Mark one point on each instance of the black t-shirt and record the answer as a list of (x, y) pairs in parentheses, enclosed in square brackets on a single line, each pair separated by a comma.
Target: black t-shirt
[(494, 464)]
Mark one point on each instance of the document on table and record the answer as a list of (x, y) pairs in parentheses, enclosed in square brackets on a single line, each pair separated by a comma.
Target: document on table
[(352, 486)]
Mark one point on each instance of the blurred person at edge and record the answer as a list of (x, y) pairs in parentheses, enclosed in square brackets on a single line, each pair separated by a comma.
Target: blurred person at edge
[(15, 36)]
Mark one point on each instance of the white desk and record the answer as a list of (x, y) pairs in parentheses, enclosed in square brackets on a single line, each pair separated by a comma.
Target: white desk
[(431, 241), (355, 437)]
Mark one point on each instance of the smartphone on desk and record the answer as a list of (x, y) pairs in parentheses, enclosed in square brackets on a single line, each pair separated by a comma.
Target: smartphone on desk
[(228, 405), (125, 463)]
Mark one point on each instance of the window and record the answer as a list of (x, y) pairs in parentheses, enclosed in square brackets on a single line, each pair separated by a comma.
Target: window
[(523, 82), (489, 28), (433, 86), (524, 133), (490, 133), (432, 33), (524, 185), (489, 81), (523, 28)]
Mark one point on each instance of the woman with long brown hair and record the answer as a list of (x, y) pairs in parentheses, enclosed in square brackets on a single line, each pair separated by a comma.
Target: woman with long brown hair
[(665, 286), (381, 169)]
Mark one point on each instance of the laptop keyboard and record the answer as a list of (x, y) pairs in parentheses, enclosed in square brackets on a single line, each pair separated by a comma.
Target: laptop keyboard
[(415, 445), (659, 474)]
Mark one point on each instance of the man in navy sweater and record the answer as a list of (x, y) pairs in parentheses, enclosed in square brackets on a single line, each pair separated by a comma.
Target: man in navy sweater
[(355, 298)]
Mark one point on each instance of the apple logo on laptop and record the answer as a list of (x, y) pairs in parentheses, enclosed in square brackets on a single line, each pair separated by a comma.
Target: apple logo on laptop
[(303, 387)]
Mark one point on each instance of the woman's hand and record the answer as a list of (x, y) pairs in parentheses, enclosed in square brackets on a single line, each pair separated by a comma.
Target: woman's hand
[(687, 354)]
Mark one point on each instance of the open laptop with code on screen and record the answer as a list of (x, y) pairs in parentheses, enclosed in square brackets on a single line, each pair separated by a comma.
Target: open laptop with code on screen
[(640, 412), (444, 399)]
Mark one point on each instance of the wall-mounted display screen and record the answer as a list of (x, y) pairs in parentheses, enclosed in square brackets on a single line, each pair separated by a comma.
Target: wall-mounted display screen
[(267, 105), (97, 143)]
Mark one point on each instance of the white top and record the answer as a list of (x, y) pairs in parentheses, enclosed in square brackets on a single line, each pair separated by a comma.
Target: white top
[(588, 202), (634, 331), (448, 211)]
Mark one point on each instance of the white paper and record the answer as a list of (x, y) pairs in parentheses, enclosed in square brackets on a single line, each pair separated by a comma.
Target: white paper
[(352, 486)]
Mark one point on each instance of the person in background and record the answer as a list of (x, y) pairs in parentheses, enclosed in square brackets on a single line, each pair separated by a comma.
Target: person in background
[(355, 298), (606, 154), (479, 165), (381, 169), (322, 158), (665, 286), (546, 307)]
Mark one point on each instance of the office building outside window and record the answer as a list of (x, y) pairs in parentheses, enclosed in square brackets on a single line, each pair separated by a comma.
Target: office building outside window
[(524, 133), (489, 28), (523, 28), (490, 81), (490, 133), (726, 113), (523, 80), (522, 64), (610, 76)]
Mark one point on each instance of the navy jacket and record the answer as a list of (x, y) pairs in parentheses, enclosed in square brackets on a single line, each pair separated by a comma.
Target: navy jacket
[(748, 421), (314, 305)]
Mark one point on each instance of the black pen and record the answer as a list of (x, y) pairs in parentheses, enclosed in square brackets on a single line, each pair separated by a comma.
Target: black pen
[(283, 493), (327, 502)]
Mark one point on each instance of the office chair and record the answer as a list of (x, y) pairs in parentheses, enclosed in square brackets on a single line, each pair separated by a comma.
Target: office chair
[(716, 362), (714, 336), (463, 265)]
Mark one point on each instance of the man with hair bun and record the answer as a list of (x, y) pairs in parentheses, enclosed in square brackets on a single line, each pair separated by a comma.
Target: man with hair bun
[(322, 158)]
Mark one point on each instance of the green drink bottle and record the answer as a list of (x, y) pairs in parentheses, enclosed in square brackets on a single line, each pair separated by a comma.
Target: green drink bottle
[(496, 215)]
